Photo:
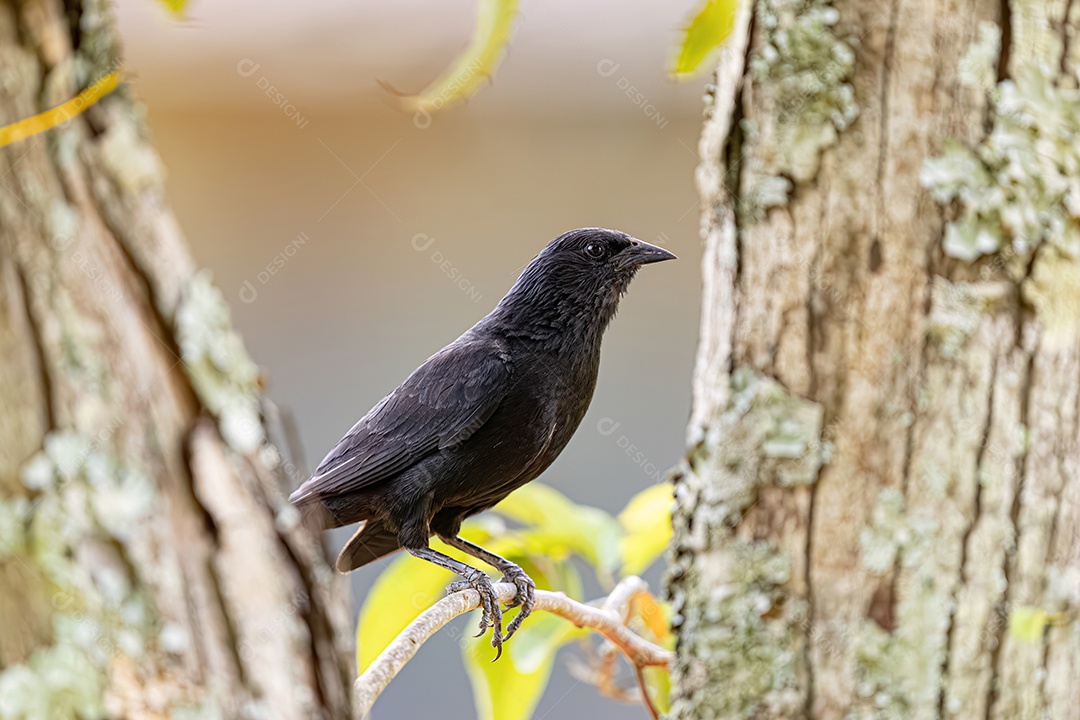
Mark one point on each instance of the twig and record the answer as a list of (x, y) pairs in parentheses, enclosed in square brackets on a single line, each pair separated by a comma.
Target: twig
[(639, 672), (605, 621), (619, 599)]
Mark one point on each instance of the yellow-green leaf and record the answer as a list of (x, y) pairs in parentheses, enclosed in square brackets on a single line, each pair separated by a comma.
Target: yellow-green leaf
[(540, 637), (408, 587), (646, 521), (510, 688), (176, 7), (533, 554), (502, 690), (536, 504), (495, 22), (1028, 623), (658, 685), (558, 526), (705, 33)]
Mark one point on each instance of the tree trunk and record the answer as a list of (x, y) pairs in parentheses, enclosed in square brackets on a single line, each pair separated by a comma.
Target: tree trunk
[(151, 566), (879, 515)]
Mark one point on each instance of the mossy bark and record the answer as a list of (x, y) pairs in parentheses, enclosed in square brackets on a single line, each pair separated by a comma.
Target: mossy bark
[(921, 349), (150, 565)]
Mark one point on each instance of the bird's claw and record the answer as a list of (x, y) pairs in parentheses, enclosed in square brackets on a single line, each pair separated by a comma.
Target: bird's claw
[(526, 597), (491, 613), (491, 616)]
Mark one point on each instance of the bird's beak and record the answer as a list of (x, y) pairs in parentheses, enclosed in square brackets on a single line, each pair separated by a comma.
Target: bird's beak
[(642, 253)]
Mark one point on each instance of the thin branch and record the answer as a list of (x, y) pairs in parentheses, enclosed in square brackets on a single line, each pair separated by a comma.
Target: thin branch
[(618, 600), (607, 621), (639, 673)]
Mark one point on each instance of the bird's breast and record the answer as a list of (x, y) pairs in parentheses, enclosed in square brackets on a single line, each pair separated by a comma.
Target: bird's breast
[(548, 397)]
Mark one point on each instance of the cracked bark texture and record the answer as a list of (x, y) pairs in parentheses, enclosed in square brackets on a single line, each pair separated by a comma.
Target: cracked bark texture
[(150, 565), (883, 463)]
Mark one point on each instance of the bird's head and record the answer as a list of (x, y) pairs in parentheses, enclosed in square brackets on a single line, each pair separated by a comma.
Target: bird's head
[(580, 277)]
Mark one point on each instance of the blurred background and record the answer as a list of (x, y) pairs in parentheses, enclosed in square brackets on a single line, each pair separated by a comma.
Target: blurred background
[(352, 239)]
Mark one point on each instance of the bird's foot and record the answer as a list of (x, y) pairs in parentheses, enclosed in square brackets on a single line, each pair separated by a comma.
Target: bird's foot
[(491, 613), (526, 596)]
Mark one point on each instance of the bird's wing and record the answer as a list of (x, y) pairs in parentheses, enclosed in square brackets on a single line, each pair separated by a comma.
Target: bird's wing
[(441, 404)]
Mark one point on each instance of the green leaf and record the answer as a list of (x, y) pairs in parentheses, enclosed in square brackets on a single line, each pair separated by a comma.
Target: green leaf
[(658, 685), (1028, 623), (558, 526), (510, 688), (536, 504), (494, 26), (540, 637), (646, 520), (705, 33), (566, 578), (502, 691), (408, 587)]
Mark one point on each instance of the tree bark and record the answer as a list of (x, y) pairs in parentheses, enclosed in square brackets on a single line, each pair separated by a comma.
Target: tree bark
[(151, 565), (879, 514)]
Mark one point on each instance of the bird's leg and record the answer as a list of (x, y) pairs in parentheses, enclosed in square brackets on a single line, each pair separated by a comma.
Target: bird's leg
[(479, 581), (512, 573)]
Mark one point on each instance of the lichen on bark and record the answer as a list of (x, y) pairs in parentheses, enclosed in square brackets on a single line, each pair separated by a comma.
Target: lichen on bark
[(86, 512), (948, 503), (222, 374), (153, 566), (800, 72), (1020, 186), (743, 628)]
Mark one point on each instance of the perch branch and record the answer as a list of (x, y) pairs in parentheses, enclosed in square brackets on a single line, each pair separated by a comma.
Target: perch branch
[(607, 621)]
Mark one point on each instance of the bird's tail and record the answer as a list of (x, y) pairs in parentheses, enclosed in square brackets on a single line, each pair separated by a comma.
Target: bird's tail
[(371, 541)]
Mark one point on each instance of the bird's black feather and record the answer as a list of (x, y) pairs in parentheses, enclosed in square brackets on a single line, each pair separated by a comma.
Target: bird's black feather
[(440, 405), (481, 417)]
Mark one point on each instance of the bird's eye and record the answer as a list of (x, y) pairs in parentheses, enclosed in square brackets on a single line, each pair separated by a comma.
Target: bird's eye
[(595, 250)]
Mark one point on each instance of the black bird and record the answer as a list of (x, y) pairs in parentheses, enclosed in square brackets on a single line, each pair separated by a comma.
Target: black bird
[(480, 418)]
